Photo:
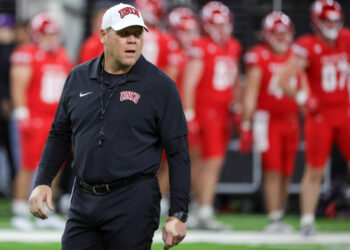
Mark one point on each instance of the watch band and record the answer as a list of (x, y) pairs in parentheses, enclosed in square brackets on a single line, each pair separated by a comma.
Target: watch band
[(180, 215)]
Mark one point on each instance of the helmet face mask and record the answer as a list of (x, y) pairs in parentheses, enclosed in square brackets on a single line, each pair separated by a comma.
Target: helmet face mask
[(278, 31), (327, 18), (217, 21)]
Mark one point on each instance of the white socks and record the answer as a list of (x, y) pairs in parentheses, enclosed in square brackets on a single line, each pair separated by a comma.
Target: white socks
[(276, 216), (205, 212), (307, 219), (20, 208)]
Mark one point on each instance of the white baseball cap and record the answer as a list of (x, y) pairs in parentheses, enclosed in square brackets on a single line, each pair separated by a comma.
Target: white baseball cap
[(121, 16)]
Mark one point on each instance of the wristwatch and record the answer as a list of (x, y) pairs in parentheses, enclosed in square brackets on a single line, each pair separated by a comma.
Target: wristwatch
[(180, 215)]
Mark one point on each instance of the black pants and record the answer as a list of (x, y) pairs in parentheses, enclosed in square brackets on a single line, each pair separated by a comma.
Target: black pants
[(124, 219)]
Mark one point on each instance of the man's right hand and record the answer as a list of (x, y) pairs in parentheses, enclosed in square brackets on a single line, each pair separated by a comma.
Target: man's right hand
[(246, 138), (308, 101), (312, 105), (22, 117), (39, 195)]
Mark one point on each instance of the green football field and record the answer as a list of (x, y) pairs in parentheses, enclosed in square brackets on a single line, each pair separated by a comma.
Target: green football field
[(56, 246), (245, 225)]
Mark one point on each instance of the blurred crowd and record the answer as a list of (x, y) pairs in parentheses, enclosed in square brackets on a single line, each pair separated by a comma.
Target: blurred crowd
[(283, 79)]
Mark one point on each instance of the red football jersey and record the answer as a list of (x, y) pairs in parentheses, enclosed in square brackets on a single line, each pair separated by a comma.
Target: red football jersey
[(271, 97), (178, 58), (158, 46), (91, 48), (49, 73), (220, 71), (328, 67)]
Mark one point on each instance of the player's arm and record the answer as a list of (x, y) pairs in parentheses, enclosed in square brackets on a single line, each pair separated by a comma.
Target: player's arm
[(172, 71), (294, 66), (252, 87), (236, 105), (54, 154), (251, 91), (302, 96), (19, 81), (193, 73)]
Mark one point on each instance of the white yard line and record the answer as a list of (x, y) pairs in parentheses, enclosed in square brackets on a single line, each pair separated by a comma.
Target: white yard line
[(235, 237)]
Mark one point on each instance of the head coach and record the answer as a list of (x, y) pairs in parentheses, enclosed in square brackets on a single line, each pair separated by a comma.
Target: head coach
[(118, 112)]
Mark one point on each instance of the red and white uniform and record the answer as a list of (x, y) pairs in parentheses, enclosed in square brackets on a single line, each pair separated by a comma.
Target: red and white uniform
[(91, 48), (275, 127), (49, 72), (158, 47), (214, 93), (327, 72)]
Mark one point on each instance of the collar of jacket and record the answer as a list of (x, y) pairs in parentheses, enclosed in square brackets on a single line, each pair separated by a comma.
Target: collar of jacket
[(135, 74)]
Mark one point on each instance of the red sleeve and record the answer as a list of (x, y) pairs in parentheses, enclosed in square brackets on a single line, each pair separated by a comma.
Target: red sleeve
[(301, 47), (252, 58), (23, 55), (90, 49), (344, 37), (196, 51)]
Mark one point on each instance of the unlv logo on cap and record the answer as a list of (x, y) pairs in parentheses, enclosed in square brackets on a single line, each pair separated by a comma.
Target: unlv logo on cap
[(128, 10)]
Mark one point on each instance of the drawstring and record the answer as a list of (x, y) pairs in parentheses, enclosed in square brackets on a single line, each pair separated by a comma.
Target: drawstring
[(101, 136)]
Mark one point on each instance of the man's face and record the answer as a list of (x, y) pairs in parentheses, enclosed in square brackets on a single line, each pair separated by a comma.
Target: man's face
[(49, 41), (330, 28), (219, 32), (186, 37), (123, 47)]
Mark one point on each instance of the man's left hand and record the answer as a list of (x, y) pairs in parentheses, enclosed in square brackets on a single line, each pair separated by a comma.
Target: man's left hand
[(174, 231)]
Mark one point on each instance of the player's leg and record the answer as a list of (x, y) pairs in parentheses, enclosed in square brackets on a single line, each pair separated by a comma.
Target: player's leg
[(30, 156), (290, 146), (163, 177), (318, 137), (272, 175), (214, 139), (196, 171), (343, 140)]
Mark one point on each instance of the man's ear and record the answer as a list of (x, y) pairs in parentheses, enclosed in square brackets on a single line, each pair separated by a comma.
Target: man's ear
[(103, 33)]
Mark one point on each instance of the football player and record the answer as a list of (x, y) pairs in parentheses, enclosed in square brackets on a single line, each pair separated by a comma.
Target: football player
[(183, 26), (324, 56), (38, 73), (275, 126), (158, 45), (210, 76)]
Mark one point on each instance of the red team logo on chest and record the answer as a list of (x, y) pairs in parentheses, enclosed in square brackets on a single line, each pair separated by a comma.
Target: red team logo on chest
[(129, 95)]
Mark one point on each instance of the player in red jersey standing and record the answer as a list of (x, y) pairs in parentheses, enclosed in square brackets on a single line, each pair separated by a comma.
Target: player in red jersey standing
[(270, 119), (183, 25), (38, 73), (211, 73), (158, 45), (325, 57)]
